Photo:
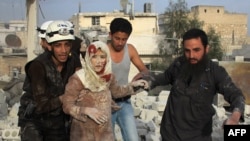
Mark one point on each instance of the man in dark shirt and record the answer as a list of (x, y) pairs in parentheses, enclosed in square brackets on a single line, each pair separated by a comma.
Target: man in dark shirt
[(41, 117), (195, 81)]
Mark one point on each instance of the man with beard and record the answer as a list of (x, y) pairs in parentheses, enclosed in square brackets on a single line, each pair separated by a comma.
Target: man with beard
[(195, 81)]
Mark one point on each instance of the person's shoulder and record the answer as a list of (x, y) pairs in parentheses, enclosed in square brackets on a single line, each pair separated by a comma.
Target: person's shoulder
[(131, 46), (214, 65), (132, 50), (34, 62), (34, 66), (216, 68), (45, 56), (80, 72)]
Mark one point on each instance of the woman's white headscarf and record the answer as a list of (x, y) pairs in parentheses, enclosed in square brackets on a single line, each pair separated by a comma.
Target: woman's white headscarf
[(88, 76)]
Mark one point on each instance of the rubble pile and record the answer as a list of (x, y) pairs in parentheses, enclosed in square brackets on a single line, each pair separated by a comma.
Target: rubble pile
[(9, 131), (147, 110)]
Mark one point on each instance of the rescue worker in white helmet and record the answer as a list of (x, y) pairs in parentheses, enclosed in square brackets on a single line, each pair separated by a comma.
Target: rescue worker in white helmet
[(42, 33), (40, 114)]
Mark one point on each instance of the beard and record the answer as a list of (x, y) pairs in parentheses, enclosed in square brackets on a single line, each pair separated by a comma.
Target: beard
[(193, 70)]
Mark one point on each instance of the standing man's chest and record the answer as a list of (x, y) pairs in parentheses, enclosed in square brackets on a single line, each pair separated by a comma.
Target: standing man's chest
[(117, 57)]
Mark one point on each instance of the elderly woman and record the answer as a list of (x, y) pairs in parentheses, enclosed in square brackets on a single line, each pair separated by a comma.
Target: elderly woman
[(95, 85)]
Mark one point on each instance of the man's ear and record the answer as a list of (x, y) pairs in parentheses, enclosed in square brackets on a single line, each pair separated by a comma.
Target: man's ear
[(207, 49), (110, 35), (49, 47)]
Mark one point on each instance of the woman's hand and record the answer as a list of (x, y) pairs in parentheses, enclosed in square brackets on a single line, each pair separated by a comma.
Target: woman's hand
[(140, 83), (95, 114)]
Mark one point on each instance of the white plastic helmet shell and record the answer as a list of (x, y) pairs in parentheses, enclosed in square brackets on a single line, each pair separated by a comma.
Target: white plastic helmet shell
[(42, 29), (59, 30), (70, 24)]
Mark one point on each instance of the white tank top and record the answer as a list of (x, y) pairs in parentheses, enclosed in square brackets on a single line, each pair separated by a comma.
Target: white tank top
[(121, 69)]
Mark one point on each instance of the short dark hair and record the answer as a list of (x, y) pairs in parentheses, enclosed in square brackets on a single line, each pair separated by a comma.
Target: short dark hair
[(120, 25), (196, 33)]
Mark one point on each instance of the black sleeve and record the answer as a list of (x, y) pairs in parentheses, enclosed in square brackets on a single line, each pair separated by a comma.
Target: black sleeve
[(164, 78), (227, 87), (42, 98)]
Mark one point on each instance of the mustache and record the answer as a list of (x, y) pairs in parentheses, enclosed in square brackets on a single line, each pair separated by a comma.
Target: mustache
[(191, 59)]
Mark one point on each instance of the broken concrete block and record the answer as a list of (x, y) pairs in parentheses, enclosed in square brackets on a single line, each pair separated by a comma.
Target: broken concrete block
[(219, 101), (147, 114), (159, 106), (152, 136), (163, 96), (152, 126), (137, 111)]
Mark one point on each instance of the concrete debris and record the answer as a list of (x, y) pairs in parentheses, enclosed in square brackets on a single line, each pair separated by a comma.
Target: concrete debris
[(5, 78), (9, 131), (3, 106), (147, 111)]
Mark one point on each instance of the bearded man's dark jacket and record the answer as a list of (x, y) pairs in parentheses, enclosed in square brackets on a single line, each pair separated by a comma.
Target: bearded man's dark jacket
[(189, 110)]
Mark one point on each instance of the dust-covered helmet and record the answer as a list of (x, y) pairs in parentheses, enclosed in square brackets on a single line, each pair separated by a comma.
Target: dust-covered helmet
[(42, 30), (59, 30)]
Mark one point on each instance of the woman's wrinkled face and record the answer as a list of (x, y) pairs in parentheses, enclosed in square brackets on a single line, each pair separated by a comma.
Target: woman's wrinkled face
[(98, 61)]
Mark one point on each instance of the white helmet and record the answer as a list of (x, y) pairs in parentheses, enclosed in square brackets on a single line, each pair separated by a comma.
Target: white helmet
[(42, 29), (59, 30), (70, 24)]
